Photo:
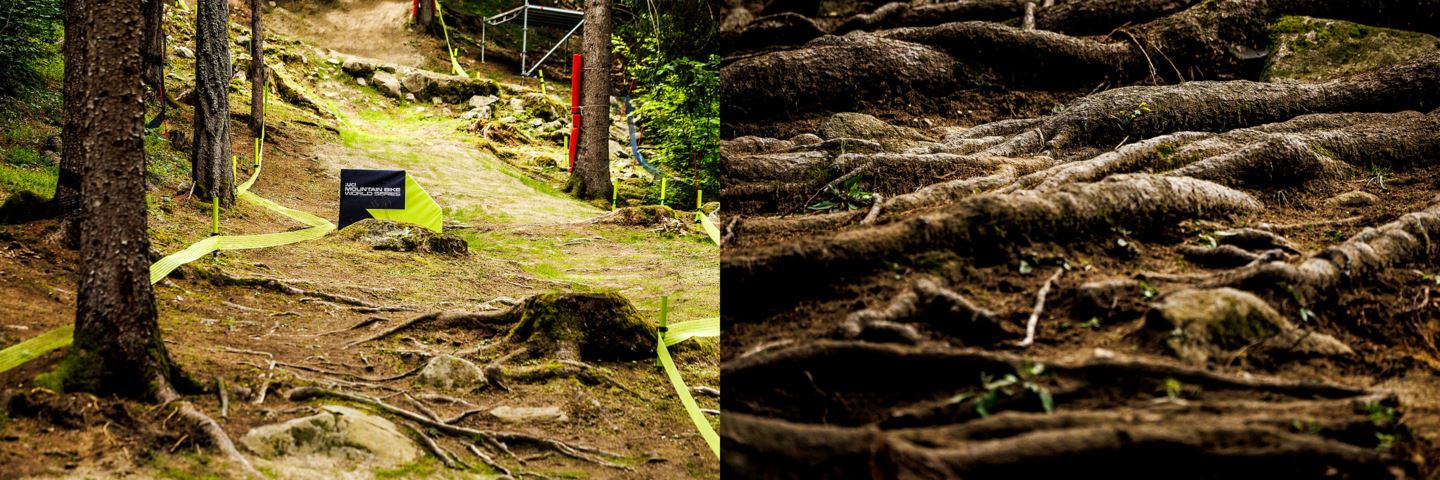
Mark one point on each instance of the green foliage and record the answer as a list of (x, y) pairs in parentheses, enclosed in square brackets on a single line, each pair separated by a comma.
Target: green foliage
[(1011, 385), (669, 53), (848, 197), (29, 31)]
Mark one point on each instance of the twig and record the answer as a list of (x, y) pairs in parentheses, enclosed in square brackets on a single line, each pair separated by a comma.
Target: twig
[(1039, 307), (463, 415), (224, 398), (703, 390), (487, 459)]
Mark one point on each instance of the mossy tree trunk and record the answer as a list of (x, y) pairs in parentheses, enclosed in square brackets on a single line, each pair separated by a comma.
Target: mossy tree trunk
[(153, 45), (67, 185), (591, 179), (210, 160), (117, 346), (257, 70)]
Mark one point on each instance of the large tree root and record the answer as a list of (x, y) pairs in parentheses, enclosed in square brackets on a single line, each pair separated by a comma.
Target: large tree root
[(980, 224), (856, 383), (202, 426), (1211, 40)]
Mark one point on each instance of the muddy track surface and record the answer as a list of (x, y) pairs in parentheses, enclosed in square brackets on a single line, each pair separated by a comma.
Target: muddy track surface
[(986, 239)]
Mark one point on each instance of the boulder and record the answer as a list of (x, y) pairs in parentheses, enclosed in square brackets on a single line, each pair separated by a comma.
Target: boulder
[(451, 372), (541, 106), (387, 84), (358, 68), (339, 432), (184, 52), (1197, 324), (403, 237), (451, 88)]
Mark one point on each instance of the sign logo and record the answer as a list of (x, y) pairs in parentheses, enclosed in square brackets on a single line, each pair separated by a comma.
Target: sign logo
[(362, 190)]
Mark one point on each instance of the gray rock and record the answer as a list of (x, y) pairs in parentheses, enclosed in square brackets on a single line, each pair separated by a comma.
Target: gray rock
[(536, 123), (362, 82), (387, 84), (806, 139), (337, 431), (410, 97), (477, 113), (478, 101), (333, 61), (452, 88), (866, 127), (184, 52), (517, 105), (507, 119), (1355, 199), (529, 414), (451, 372), (1198, 324), (243, 40), (358, 68)]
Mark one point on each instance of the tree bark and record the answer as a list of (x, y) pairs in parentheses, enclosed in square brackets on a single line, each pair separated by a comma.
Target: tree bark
[(257, 70), (592, 162), (425, 17), (117, 345), (67, 185), (210, 160), (153, 45)]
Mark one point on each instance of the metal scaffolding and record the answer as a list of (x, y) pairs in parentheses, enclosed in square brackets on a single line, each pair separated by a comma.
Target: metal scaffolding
[(528, 14)]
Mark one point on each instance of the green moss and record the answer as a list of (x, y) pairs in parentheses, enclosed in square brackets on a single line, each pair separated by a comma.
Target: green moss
[(78, 371), (1309, 49), (1324, 151), (424, 468), (559, 321), (1237, 330)]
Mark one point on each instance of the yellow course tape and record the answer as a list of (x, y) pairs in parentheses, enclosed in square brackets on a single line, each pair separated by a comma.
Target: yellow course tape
[(709, 327), (454, 63), (34, 347), (709, 227)]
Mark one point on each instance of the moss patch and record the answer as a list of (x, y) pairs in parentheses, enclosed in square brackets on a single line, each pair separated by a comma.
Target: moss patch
[(1310, 49), (592, 326)]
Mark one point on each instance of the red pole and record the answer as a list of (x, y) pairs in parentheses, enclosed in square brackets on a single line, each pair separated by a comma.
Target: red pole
[(576, 63)]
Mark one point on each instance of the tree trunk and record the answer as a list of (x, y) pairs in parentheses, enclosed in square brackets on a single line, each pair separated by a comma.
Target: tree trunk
[(67, 186), (592, 162), (153, 45), (425, 18), (257, 70), (117, 345), (210, 159)]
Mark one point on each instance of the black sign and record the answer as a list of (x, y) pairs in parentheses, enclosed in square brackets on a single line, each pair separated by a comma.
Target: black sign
[(361, 190)]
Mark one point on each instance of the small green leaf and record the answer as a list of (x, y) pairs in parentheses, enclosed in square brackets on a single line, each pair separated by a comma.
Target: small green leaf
[(1046, 401), (1121, 242), (1025, 268)]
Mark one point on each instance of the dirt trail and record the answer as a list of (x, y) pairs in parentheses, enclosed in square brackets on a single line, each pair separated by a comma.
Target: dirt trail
[(368, 28)]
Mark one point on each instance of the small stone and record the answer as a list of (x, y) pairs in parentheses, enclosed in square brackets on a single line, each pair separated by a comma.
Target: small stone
[(1355, 199), (387, 84), (362, 82), (339, 432), (435, 101), (243, 40), (183, 52), (410, 97), (529, 414)]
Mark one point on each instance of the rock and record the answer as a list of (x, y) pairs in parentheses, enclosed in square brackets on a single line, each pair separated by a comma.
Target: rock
[(452, 88), (866, 127), (806, 139), (1354, 199), (529, 414), (517, 105), (450, 372), (477, 101), (541, 106), (333, 61), (243, 40), (1198, 324), (477, 113), (337, 431), (1110, 299), (618, 150), (404, 237), (358, 68), (535, 123), (507, 119), (362, 82), (184, 52), (710, 208), (435, 101), (410, 97)]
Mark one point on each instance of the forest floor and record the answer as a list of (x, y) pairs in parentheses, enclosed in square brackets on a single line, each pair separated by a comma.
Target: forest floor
[(525, 237), (915, 176)]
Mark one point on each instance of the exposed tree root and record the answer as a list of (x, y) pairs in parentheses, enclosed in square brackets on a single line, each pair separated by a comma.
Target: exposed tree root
[(443, 320), (221, 278), (578, 452), (202, 426), (978, 224), (927, 301), (1039, 307)]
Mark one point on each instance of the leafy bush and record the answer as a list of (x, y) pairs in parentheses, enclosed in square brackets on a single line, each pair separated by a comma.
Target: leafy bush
[(669, 52), (29, 30)]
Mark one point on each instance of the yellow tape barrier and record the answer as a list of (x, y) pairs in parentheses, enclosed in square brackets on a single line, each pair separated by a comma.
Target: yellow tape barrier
[(676, 333), (454, 63), (709, 227)]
